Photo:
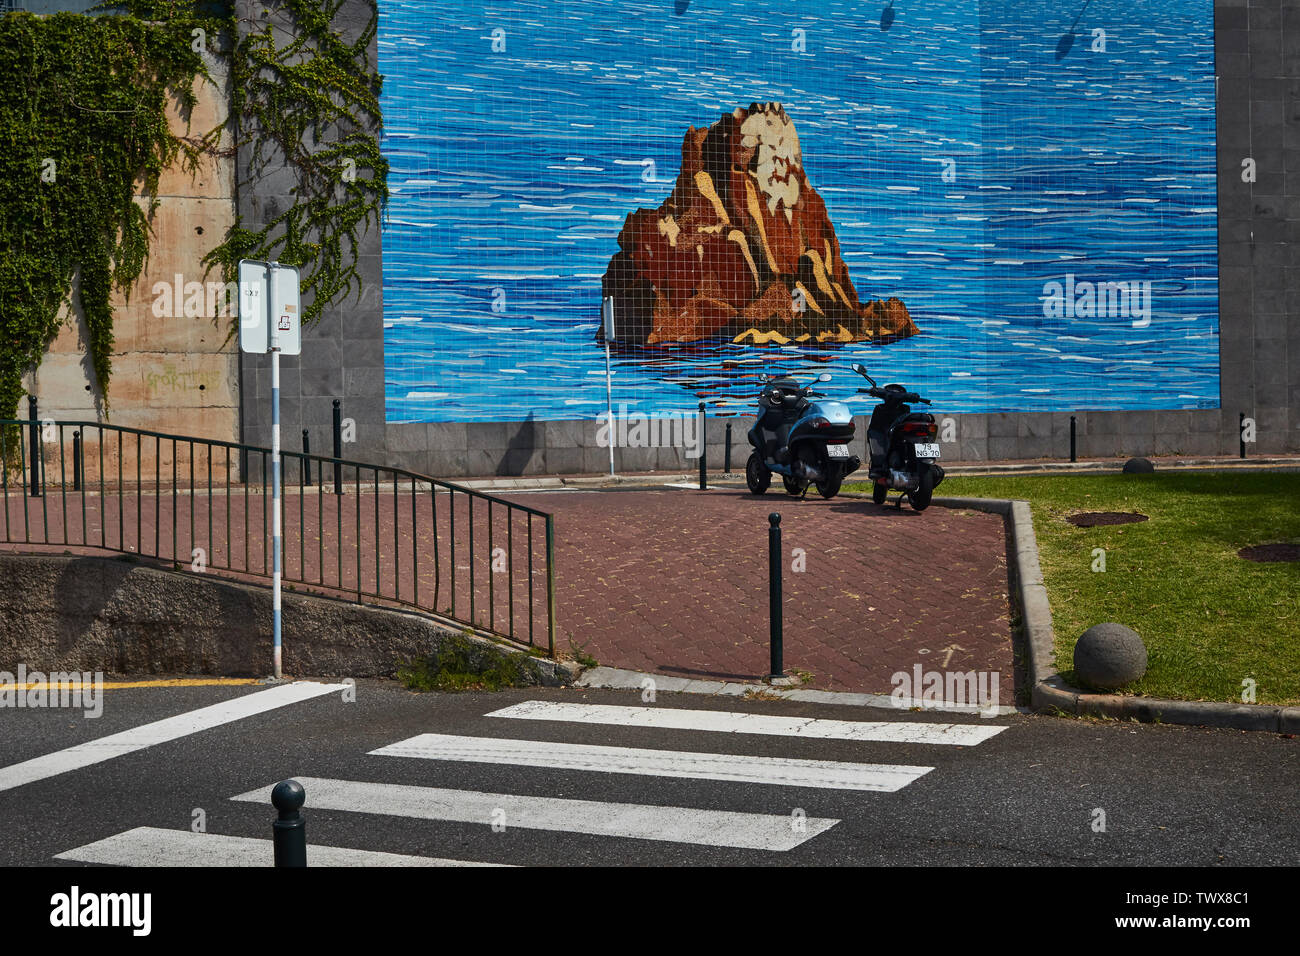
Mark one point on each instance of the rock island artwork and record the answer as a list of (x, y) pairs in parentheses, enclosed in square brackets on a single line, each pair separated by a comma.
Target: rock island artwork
[(1010, 206), (743, 249)]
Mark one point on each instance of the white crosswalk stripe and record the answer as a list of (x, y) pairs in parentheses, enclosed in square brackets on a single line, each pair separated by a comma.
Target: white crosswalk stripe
[(752, 831), (783, 771), (721, 721), (160, 731), (768, 832), (152, 846)]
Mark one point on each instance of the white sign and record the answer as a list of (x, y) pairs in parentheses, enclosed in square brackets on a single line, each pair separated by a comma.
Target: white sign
[(261, 311)]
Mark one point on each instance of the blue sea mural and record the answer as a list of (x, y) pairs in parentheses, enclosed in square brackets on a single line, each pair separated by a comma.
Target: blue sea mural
[(1034, 180)]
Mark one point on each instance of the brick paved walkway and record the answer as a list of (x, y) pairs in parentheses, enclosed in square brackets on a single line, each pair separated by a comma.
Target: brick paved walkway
[(670, 581), (675, 582)]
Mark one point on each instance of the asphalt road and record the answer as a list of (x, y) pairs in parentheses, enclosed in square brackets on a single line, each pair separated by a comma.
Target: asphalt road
[(1026, 796)]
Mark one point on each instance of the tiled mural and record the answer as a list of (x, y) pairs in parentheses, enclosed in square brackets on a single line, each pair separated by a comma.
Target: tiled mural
[(1009, 206)]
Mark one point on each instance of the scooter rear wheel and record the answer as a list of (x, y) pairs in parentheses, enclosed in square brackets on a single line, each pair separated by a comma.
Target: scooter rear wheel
[(830, 487), (757, 477), (921, 497)]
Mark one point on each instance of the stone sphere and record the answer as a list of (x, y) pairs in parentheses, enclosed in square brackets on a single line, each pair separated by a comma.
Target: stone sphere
[(1109, 656), (1138, 466)]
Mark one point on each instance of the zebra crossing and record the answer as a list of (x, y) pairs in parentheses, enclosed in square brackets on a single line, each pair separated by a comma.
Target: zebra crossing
[(537, 815)]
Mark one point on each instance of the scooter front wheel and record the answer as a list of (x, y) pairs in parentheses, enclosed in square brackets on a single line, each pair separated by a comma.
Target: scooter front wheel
[(757, 477), (879, 492), (794, 486)]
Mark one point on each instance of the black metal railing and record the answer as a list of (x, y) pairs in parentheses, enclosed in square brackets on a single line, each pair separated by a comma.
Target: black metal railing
[(377, 534)]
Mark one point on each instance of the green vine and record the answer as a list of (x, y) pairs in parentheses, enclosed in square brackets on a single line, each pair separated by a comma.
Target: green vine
[(83, 119), (90, 94), (315, 88)]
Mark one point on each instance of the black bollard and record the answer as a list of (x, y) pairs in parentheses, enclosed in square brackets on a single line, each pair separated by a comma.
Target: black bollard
[(338, 447), (306, 460), (76, 460), (726, 462), (704, 481), (1241, 432), (1073, 456), (774, 594), (289, 832), (35, 449)]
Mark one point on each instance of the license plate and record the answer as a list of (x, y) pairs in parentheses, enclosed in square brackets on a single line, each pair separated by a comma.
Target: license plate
[(927, 449), (837, 451)]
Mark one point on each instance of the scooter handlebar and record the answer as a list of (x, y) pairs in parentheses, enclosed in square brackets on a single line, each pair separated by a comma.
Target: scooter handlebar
[(905, 397)]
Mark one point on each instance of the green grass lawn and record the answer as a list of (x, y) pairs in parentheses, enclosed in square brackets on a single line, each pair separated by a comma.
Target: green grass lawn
[(1210, 619)]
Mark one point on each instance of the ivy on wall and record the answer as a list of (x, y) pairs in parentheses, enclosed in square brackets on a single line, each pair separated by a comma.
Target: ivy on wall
[(83, 118), (83, 124), (307, 100)]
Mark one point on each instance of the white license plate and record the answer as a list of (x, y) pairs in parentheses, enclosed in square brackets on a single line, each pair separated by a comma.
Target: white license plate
[(927, 449), (837, 451)]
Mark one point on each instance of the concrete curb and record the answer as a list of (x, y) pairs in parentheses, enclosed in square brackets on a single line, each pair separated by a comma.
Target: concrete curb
[(615, 678), (1050, 693)]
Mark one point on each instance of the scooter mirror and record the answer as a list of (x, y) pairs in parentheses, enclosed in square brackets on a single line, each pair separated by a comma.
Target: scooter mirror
[(859, 368), (824, 377)]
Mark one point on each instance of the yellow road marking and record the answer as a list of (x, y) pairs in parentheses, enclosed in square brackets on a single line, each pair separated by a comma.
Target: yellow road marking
[(121, 685)]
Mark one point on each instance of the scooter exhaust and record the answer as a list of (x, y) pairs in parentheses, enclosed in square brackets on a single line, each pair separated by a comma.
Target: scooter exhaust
[(805, 470), (902, 481)]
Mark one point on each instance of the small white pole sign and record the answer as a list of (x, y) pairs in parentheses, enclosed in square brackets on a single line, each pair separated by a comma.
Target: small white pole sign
[(270, 320)]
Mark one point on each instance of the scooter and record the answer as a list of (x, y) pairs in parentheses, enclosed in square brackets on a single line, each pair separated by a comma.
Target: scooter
[(902, 445), (803, 441)]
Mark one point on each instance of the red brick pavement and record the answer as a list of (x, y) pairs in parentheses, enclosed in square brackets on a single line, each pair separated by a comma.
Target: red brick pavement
[(673, 581), (676, 582)]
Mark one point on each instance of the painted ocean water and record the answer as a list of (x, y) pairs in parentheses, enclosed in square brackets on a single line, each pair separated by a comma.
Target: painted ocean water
[(971, 155)]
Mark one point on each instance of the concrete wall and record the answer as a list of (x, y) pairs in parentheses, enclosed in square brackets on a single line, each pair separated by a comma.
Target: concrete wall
[(171, 372), (120, 617), (570, 447)]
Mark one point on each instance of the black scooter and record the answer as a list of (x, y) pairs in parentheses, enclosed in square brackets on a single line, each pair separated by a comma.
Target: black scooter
[(904, 452)]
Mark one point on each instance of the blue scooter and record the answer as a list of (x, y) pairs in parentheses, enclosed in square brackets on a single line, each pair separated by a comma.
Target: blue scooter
[(805, 442)]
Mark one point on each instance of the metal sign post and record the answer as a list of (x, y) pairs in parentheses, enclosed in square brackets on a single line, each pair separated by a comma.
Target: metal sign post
[(607, 314), (277, 540), (269, 321)]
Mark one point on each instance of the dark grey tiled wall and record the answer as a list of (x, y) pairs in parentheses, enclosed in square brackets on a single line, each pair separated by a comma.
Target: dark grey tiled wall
[(1257, 47), (343, 352)]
